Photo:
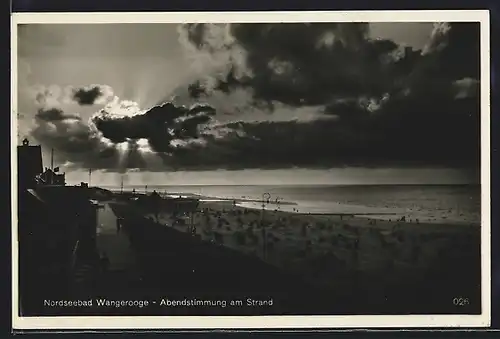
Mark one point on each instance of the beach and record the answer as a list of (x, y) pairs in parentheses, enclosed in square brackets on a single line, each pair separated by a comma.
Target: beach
[(364, 260), (341, 251)]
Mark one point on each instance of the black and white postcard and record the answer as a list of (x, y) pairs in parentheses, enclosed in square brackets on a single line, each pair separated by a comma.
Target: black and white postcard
[(251, 170)]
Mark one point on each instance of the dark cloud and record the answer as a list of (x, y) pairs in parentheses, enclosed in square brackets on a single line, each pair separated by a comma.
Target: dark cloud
[(73, 139), (388, 103), (196, 90), (453, 53), (85, 96), (404, 135), (55, 115), (115, 143), (312, 64), (303, 64), (160, 125), (56, 96), (459, 55)]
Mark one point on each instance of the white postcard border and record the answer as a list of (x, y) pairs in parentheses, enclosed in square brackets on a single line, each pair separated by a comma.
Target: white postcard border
[(267, 322)]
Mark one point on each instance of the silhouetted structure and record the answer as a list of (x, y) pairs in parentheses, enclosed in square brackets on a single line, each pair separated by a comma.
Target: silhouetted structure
[(29, 159), (56, 231), (30, 168), (51, 177)]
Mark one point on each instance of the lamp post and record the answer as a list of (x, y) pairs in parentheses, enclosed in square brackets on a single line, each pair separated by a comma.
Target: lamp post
[(278, 201), (265, 200)]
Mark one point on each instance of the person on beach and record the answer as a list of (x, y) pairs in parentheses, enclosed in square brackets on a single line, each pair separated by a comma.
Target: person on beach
[(118, 225)]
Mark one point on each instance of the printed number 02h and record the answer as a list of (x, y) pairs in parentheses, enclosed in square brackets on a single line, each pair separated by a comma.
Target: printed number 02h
[(461, 301)]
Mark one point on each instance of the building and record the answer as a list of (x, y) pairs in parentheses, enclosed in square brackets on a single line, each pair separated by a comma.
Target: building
[(30, 168), (56, 229), (51, 177), (29, 160)]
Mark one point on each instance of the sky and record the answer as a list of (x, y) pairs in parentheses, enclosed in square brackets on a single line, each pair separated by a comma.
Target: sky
[(253, 103)]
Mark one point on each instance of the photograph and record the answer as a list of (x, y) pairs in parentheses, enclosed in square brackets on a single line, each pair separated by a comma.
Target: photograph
[(282, 168)]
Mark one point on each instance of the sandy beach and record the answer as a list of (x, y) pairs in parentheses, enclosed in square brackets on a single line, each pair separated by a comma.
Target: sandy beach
[(333, 250)]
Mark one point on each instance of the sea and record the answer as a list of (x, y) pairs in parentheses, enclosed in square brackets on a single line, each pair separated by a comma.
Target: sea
[(428, 203)]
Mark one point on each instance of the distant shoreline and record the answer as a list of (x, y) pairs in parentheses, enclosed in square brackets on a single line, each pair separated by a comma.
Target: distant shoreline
[(297, 208)]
